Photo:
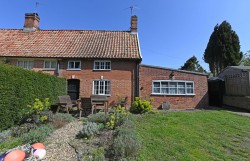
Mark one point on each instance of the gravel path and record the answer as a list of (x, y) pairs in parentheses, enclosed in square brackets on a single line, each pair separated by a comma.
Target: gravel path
[(57, 144)]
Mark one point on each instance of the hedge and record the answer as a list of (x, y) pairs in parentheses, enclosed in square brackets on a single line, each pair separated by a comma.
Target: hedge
[(19, 87)]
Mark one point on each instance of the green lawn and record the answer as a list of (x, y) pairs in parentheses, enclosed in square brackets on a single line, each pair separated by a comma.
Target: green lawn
[(200, 135)]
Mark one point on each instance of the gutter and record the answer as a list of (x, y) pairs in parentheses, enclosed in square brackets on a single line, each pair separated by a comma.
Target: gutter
[(138, 68), (138, 43), (138, 79)]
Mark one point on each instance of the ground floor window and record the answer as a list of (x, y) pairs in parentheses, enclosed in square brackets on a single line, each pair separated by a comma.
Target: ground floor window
[(27, 64), (170, 87), (101, 87)]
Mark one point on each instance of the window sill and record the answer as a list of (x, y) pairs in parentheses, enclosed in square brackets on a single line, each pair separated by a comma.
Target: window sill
[(74, 69), (163, 94), (101, 69), (108, 95), (49, 69)]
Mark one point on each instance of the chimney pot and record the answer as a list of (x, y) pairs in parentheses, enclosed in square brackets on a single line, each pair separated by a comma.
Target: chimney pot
[(133, 27), (31, 22)]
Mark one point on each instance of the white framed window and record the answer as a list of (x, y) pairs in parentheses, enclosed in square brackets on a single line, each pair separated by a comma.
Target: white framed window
[(102, 65), (74, 65), (49, 64), (101, 87), (27, 64), (190, 88), (172, 87)]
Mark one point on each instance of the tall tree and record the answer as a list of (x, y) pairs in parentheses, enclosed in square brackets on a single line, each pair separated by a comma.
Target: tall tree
[(223, 48), (245, 59), (192, 64)]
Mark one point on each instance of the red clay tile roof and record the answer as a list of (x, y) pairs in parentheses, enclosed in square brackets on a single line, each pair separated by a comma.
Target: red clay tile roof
[(69, 44)]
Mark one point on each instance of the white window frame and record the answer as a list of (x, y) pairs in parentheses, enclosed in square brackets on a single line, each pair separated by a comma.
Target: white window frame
[(50, 64), (26, 64), (105, 83), (177, 88), (104, 65), (74, 68)]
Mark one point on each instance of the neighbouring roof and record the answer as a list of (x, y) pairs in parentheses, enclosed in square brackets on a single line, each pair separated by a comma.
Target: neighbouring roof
[(183, 71), (69, 44), (233, 70), (240, 67)]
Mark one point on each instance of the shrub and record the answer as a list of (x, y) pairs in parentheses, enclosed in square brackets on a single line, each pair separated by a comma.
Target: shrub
[(126, 143), (6, 114), (152, 112), (99, 117), (141, 105), (19, 87), (89, 129), (98, 155), (39, 112), (39, 106), (94, 154), (129, 124), (64, 116), (61, 119), (117, 118), (4, 135), (37, 135), (24, 128), (58, 123)]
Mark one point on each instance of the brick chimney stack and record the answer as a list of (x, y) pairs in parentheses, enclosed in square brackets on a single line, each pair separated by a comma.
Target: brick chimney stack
[(133, 27), (31, 22)]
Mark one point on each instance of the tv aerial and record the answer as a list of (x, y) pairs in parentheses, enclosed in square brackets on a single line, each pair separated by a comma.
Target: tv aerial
[(37, 4), (132, 8)]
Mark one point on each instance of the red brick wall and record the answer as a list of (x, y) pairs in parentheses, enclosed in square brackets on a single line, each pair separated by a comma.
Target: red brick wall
[(199, 100), (122, 77)]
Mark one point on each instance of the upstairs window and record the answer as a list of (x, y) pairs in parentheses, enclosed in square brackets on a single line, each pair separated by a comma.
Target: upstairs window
[(74, 65), (101, 87), (50, 65), (102, 65), (27, 64), (169, 87)]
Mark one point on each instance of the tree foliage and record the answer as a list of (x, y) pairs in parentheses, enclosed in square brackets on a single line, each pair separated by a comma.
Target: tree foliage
[(223, 48), (245, 59), (192, 64)]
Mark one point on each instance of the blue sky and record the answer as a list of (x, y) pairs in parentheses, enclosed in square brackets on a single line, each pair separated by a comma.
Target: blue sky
[(170, 31)]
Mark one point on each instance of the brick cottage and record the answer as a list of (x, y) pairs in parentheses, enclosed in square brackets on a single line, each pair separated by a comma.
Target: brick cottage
[(98, 62)]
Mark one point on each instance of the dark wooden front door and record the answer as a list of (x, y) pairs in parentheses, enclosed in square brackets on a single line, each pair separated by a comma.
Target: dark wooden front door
[(73, 88)]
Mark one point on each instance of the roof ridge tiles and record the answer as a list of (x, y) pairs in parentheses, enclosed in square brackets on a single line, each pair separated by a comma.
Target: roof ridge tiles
[(9, 29), (71, 30)]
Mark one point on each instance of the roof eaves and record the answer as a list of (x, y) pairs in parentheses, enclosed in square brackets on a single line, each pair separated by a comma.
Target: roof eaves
[(71, 57), (184, 71)]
